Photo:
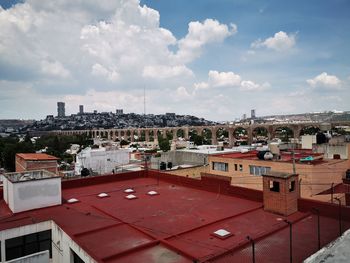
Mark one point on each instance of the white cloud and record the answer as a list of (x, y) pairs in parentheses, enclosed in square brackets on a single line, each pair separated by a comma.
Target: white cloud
[(223, 79), (325, 81), (200, 34), (281, 41), (110, 74), (55, 69), (248, 85), (200, 86), (165, 72)]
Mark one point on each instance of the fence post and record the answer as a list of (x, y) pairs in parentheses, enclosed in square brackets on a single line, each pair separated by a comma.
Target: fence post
[(332, 192), (339, 201), (290, 240), (253, 247), (318, 227)]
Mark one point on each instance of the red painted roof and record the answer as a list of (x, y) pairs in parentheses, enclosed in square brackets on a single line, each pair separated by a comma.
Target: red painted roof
[(36, 156), (174, 226)]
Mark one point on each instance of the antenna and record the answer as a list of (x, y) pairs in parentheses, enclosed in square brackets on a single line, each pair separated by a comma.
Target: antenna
[(144, 100)]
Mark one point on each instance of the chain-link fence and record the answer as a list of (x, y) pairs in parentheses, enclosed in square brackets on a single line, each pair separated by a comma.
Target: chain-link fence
[(293, 242)]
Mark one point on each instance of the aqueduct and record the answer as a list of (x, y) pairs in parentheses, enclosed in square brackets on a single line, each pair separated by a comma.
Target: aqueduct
[(152, 134)]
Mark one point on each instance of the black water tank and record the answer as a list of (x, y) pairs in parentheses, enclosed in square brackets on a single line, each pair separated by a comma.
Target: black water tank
[(170, 165), (348, 174), (162, 166), (261, 154), (321, 138)]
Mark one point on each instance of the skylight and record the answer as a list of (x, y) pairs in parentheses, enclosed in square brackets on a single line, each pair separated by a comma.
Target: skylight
[(102, 195), (222, 233), (129, 190), (153, 193), (130, 197), (72, 200)]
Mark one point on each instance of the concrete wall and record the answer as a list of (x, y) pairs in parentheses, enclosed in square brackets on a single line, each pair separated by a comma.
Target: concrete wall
[(182, 157), (307, 141), (27, 195), (100, 160), (62, 244), (315, 178), (40, 257), (330, 149)]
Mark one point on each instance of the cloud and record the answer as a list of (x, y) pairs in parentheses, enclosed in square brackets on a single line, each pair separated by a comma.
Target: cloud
[(325, 81), (229, 79), (54, 68), (247, 85), (223, 79), (281, 41), (200, 34), (110, 74), (165, 72)]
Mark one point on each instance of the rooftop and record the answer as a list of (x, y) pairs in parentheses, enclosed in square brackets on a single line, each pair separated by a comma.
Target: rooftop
[(175, 225), (285, 156), (36, 156), (29, 176)]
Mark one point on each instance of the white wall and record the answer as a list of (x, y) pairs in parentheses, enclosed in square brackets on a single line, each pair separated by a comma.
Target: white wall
[(101, 160), (307, 141), (40, 257), (62, 244), (32, 194)]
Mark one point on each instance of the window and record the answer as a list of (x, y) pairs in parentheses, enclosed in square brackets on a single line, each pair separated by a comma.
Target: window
[(28, 244), (291, 186), (236, 167), (240, 167), (258, 170), (76, 258), (218, 166), (274, 186)]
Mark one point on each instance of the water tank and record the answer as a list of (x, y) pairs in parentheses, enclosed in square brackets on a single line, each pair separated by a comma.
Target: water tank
[(274, 148), (268, 156), (162, 166), (261, 155), (170, 165), (348, 174)]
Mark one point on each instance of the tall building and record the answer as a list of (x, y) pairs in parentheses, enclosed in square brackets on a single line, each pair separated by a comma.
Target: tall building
[(119, 111), (252, 113), (61, 112), (81, 109)]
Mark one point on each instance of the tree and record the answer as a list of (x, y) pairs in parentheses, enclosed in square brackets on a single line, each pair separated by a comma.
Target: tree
[(164, 144)]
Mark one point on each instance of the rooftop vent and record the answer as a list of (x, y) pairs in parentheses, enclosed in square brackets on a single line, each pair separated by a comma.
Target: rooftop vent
[(129, 190), (102, 195), (131, 197), (72, 200), (222, 234), (153, 193)]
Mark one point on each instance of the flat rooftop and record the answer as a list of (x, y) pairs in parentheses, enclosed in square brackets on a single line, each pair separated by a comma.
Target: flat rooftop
[(286, 156), (175, 225), (36, 156)]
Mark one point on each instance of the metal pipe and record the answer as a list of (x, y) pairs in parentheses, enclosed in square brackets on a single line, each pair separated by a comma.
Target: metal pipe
[(318, 227), (340, 227), (290, 240), (253, 247)]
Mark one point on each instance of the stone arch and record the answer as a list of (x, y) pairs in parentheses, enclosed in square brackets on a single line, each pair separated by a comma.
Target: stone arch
[(222, 134), (180, 133), (241, 135), (260, 134), (207, 135), (309, 130), (169, 134), (285, 133)]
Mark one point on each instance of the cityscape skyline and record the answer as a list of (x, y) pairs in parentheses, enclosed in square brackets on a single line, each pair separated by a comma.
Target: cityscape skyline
[(211, 59)]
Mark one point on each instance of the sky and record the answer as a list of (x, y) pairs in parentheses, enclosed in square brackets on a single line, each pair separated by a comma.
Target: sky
[(215, 59)]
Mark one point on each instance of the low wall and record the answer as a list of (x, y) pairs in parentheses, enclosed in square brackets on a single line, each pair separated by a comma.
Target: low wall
[(86, 181), (326, 209), (211, 183)]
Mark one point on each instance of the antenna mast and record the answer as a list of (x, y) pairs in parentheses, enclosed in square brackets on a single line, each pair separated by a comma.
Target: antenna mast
[(144, 100)]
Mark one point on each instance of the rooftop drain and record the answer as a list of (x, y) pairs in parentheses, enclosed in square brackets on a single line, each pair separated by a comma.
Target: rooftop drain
[(131, 197), (222, 234), (151, 193), (72, 200), (129, 190), (102, 195)]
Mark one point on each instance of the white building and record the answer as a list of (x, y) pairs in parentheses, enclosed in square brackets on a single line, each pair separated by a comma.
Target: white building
[(102, 160)]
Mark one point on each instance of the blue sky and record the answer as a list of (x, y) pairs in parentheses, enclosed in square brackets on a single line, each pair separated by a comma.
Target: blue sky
[(214, 59)]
